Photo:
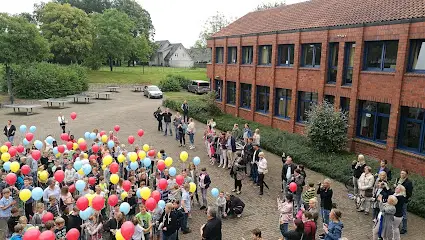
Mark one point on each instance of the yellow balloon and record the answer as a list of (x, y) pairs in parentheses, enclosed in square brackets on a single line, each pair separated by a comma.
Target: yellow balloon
[(132, 156), (124, 195), (44, 175), (114, 179), (145, 192), (192, 187), (118, 235), (86, 156), (24, 194), (159, 155), (80, 140), (4, 149), (14, 167), (75, 146), (183, 156), (81, 172), (168, 161), (58, 155), (121, 158), (145, 147), (107, 160), (142, 154), (89, 197), (103, 167), (104, 138), (5, 157)]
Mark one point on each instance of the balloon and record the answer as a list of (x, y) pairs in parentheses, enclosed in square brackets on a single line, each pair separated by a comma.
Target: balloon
[(145, 147), (113, 200), (215, 192), (37, 193), (29, 136), (23, 128), (73, 234), (92, 181), (87, 135), (183, 156), (87, 169), (132, 156), (11, 178), (25, 142), (140, 133), (147, 162), (134, 166), (85, 214), (172, 171), (98, 203), (107, 160), (114, 178), (32, 129), (161, 165), (138, 193), (196, 161), (6, 166), (4, 149), (36, 155), (141, 154), (60, 149), (117, 128), (69, 145), (163, 183), (78, 165), (121, 158), (50, 140), (82, 146), (92, 136), (47, 217), (111, 144), (72, 188), (114, 167), (118, 235), (32, 234), (161, 204), (151, 153), (150, 204), (14, 166), (102, 133), (126, 185), (124, 195), (59, 175), (104, 138), (90, 198), (130, 139), (145, 192), (44, 175), (293, 187), (55, 150), (73, 115), (156, 195), (64, 137), (168, 161), (25, 195), (82, 203), (20, 148), (12, 151), (127, 229), (95, 148), (75, 146), (8, 144), (81, 172), (192, 187), (25, 169), (5, 156), (80, 185), (125, 208), (47, 235), (179, 179)]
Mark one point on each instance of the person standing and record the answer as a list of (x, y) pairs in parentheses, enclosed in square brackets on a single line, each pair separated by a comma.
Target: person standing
[(168, 223), (365, 186), (326, 194), (333, 230), (176, 122), (62, 122), (256, 137), (358, 168), (223, 150), (408, 185), (191, 132), (231, 149), (384, 168), (286, 210), (185, 109), (384, 225), (247, 133), (158, 116), (262, 170), (204, 183), (298, 179), (9, 131), (287, 172), (212, 229), (167, 119), (238, 173), (254, 163), (400, 194), (185, 204), (236, 132), (248, 151)]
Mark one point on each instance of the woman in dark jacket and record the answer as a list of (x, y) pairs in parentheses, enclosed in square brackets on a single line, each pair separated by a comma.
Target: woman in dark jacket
[(113, 224), (298, 233), (169, 223), (326, 194), (234, 206), (400, 194), (238, 172)]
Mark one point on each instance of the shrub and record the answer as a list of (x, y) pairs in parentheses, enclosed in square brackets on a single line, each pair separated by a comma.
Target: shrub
[(169, 85), (182, 80), (334, 165), (326, 128)]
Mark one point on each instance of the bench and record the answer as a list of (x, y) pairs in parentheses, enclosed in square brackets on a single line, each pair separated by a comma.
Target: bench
[(77, 97), (23, 106), (106, 95), (112, 88), (60, 101), (138, 88)]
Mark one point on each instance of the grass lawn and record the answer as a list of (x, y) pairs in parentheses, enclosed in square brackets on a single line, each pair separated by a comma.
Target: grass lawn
[(134, 75), (181, 96)]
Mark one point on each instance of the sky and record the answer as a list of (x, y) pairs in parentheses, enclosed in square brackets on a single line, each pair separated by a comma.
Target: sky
[(176, 21)]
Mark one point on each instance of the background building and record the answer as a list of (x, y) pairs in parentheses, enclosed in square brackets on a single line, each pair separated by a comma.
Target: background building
[(171, 55)]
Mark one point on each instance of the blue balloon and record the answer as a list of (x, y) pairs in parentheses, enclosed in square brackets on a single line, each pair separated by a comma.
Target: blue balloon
[(25, 142), (87, 169), (80, 185), (172, 171), (111, 144), (92, 136), (90, 210), (87, 135), (23, 128), (78, 165), (161, 204), (196, 161), (55, 150), (125, 208), (32, 129), (134, 165), (50, 140), (37, 193), (38, 144), (78, 159), (146, 162), (138, 193), (6, 166), (85, 214), (215, 192)]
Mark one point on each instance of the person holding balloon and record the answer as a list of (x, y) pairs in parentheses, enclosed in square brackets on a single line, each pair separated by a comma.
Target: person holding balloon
[(28, 203), (93, 228), (62, 122), (6, 205), (185, 204), (36, 220), (146, 218), (113, 224)]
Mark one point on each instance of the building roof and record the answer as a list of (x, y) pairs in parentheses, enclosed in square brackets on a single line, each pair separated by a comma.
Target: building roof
[(174, 47), (200, 55), (324, 13), (162, 44)]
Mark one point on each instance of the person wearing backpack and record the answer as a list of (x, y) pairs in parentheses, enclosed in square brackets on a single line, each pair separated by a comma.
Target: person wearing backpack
[(298, 233), (158, 116)]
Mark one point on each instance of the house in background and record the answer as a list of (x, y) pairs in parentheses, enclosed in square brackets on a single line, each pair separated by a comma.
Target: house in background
[(200, 56), (171, 55)]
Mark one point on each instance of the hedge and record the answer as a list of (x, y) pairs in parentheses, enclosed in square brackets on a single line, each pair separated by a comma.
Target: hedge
[(174, 83), (45, 80), (278, 141)]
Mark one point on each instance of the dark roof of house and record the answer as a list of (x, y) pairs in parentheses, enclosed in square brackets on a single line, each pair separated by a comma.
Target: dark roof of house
[(174, 47), (324, 13), (200, 55), (161, 43)]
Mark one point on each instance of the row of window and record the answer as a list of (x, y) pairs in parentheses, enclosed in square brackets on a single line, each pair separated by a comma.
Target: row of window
[(378, 56)]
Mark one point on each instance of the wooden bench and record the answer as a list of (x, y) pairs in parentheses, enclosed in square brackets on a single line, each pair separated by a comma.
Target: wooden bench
[(60, 101), (106, 95), (77, 97), (112, 88), (18, 107), (138, 88)]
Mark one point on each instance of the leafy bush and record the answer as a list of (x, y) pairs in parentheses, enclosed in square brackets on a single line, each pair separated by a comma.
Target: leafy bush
[(169, 85), (183, 81), (45, 80), (334, 165), (326, 128)]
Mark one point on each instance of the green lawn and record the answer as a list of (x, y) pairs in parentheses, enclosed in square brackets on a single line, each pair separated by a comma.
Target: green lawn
[(134, 75), (181, 96)]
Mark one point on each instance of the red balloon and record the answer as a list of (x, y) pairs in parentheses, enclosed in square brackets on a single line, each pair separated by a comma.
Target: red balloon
[(36, 154), (92, 157), (59, 175), (163, 183), (64, 136), (25, 169), (151, 153), (29, 136), (73, 115), (179, 179), (46, 217), (92, 181), (69, 145), (150, 204), (61, 148), (114, 167), (8, 144), (82, 146), (71, 188), (73, 234), (82, 203), (102, 133), (117, 128), (13, 151), (127, 230), (156, 195), (126, 185), (47, 235), (95, 148), (130, 139), (98, 203), (293, 187), (32, 234), (11, 178), (140, 132), (20, 148), (113, 200), (161, 165)]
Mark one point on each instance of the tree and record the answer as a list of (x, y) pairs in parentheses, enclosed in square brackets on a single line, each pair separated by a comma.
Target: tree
[(68, 30), (327, 128), (268, 5), (212, 25), (113, 37), (141, 50), (20, 42), (140, 17), (89, 6)]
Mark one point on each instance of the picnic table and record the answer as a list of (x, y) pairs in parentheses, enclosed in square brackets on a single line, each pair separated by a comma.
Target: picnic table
[(85, 97), (106, 95), (28, 107), (138, 88), (113, 88), (60, 101)]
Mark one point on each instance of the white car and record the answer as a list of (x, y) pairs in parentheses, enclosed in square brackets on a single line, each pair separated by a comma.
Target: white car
[(152, 91)]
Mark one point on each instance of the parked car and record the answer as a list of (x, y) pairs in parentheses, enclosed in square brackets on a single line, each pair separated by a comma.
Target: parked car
[(152, 91), (199, 87)]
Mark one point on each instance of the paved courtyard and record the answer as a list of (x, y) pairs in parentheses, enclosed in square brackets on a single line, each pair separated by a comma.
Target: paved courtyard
[(132, 111)]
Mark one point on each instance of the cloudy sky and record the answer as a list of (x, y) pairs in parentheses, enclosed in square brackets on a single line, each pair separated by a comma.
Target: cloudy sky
[(174, 20)]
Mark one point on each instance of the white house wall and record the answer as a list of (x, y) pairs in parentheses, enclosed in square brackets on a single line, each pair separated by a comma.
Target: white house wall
[(181, 58)]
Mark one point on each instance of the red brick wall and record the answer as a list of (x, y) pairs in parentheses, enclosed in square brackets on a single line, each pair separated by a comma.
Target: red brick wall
[(261, 118), (245, 114), (299, 128), (282, 124), (409, 161), (230, 109), (232, 73)]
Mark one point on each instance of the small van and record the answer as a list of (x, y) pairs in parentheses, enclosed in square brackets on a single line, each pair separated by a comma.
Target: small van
[(199, 86)]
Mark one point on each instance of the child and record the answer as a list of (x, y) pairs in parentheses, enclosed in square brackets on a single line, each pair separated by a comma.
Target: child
[(6, 204), (132, 201), (18, 232), (50, 225), (13, 220), (28, 204), (309, 194), (175, 193), (221, 204), (286, 209), (24, 222), (60, 230), (138, 230), (156, 217), (38, 216), (69, 174), (93, 228), (309, 225), (53, 206)]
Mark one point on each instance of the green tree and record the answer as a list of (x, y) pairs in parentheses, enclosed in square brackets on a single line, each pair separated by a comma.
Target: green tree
[(20, 42), (141, 50), (268, 5), (89, 6), (113, 35), (68, 30), (141, 18), (212, 25)]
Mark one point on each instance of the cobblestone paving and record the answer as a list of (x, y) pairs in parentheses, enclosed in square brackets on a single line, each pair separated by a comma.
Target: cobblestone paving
[(132, 111)]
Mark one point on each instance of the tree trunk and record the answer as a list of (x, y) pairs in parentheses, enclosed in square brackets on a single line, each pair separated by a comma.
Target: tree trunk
[(9, 83), (129, 63), (133, 62), (110, 63), (143, 67)]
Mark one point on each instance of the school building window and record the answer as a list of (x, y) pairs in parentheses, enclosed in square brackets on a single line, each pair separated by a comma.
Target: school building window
[(245, 101), (373, 120), (381, 55), (305, 101), (412, 129), (347, 78), (219, 54), (310, 55), (263, 94), (417, 56), (283, 102), (232, 55), (265, 55), (247, 53), (218, 90), (330, 99), (230, 92), (344, 105), (333, 62), (285, 55)]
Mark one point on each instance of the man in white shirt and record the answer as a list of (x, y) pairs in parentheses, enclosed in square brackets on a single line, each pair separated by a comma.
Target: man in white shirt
[(287, 172), (62, 122), (51, 190)]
